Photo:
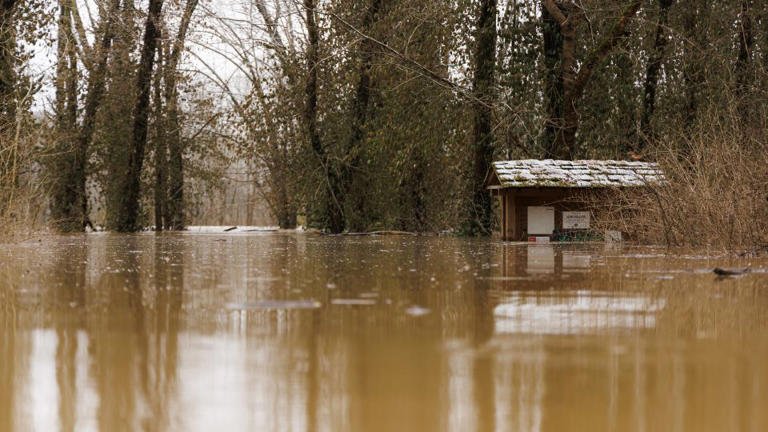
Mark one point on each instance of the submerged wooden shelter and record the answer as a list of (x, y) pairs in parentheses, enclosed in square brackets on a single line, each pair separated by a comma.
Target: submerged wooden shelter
[(540, 197)]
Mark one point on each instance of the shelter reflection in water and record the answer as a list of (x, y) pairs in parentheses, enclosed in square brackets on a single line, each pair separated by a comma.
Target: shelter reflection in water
[(576, 312)]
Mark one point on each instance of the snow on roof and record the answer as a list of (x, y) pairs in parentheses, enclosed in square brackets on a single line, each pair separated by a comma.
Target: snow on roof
[(576, 174)]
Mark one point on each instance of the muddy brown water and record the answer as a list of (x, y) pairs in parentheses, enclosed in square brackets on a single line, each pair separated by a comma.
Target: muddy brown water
[(294, 332)]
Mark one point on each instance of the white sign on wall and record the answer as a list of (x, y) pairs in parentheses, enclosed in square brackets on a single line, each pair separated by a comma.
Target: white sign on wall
[(576, 220), (541, 220)]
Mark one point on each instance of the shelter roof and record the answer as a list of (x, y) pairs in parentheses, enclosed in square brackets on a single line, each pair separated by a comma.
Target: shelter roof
[(574, 174)]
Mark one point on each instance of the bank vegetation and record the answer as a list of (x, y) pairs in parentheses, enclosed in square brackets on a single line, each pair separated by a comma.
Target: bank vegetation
[(715, 196)]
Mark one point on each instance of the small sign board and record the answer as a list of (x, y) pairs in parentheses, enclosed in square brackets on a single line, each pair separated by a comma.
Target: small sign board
[(612, 236), (576, 220)]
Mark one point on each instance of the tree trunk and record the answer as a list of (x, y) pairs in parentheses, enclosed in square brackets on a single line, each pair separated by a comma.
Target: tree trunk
[(175, 208), (625, 107), (62, 65), (281, 192), (746, 44), (693, 67), (334, 214), (9, 126), (744, 66), (413, 191), (553, 82), (161, 150), (575, 80), (652, 72), (70, 206), (563, 119), (566, 138), (354, 174), (71, 83), (7, 64), (286, 214), (65, 205), (764, 31), (127, 219), (479, 214), (286, 200)]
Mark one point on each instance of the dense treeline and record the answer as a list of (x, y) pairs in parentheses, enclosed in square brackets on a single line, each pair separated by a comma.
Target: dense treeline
[(360, 114)]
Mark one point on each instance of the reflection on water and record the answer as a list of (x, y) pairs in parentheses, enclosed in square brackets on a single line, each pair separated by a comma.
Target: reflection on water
[(292, 332), (575, 312)]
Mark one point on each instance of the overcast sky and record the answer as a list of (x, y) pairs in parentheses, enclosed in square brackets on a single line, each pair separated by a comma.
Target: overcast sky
[(43, 64)]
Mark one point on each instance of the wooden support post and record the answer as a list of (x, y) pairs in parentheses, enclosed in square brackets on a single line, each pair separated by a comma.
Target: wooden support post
[(508, 222), (511, 233), (503, 215)]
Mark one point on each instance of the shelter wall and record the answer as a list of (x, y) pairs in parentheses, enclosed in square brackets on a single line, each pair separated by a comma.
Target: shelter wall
[(514, 203)]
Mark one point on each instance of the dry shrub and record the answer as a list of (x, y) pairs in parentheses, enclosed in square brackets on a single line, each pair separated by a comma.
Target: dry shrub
[(9, 190), (22, 195), (24, 216), (715, 196)]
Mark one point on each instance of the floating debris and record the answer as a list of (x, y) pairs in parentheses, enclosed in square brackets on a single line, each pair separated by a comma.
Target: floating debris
[(417, 311), (218, 229), (353, 302), (504, 278), (275, 305), (730, 272)]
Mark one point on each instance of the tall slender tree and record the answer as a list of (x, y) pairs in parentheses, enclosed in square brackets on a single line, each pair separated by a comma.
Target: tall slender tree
[(653, 71), (354, 172), (552, 39), (744, 61), (69, 204), (159, 139), (127, 218), (330, 190), (695, 37), (279, 157), (8, 105), (7, 63), (479, 211), (65, 207), (174, 216)]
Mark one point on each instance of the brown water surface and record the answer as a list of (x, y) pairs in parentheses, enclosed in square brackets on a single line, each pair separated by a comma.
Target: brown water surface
[(294, 332)]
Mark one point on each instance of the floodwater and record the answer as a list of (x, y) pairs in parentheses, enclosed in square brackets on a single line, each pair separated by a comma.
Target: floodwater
[(298, 332)]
